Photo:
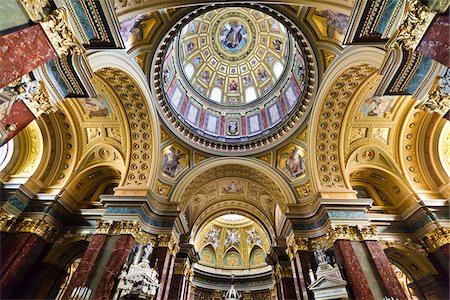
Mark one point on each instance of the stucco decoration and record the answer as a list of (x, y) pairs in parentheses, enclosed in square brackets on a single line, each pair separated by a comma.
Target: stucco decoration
[(141, 137)]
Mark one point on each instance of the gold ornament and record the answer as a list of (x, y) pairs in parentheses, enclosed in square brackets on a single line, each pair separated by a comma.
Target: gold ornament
[(411, 31), (38, 227), (36, 9), (57, 29), (438, 99)]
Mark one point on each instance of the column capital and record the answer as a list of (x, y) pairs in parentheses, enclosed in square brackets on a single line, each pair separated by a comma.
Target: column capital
[(438, 98), (39, 227), (56, 27), (413, 27), (345, 232), (297, 244), (436, 239), (32, 92), (36, 9), (7, 221), (132, 228)]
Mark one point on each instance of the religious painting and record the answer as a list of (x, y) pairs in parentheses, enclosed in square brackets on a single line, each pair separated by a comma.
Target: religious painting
[(213, 237), (257, 257), (97, 107), (233, 237), (232, 259), (136, 29), (377, 106), (174, 161), (233, 187), (292, 161), (331, 24), (253, 237), (233, 36), (233, 127)]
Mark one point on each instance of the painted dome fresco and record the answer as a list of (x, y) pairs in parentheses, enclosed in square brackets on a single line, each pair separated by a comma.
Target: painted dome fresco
[(232, 242), (234, 79)]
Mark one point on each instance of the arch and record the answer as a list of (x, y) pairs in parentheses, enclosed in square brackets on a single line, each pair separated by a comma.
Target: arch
[(233, 258), (208, 255), (208, 171), (126, 77), (257, 256), (20, 166), (349, 70)]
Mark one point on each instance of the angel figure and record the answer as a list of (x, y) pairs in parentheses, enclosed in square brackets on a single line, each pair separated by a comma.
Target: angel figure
[(295, 163), (171, 162)]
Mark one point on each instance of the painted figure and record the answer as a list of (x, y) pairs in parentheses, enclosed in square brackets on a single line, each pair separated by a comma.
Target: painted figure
[(233, 86), (233, 237), (295, 163), (171, 162)]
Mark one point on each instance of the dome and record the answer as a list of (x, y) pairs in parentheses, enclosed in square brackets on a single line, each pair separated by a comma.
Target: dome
[(234, 79)]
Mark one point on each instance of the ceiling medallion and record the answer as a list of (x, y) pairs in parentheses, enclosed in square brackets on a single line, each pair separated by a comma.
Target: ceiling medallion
[(234, 79)]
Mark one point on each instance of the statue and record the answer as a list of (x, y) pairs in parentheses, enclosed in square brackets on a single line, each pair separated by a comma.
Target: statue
[(147, 252)]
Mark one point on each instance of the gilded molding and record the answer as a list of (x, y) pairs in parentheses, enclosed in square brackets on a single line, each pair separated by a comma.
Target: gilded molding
[(435, 240), (36, 9), (38, 227), (411, 31), (438, 99), (57, 29)]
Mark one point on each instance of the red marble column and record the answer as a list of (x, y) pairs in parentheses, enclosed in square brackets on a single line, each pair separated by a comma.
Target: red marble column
[(288, 291), (87, 263), (295, 278), (435, 42), (162, 254), (23, 51), (19, 261), (300, 276), (18, 118), (176, 287), (169, 278), (118, 257), (353, 270), (382, 264)]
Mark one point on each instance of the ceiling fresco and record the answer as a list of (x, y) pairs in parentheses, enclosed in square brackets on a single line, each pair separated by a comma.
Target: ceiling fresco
[(233, 76)]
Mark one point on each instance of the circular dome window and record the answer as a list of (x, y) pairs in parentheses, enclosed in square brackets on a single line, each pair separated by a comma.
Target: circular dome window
[(233, 79)]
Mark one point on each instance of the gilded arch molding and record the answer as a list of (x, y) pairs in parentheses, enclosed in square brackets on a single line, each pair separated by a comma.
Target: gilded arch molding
[(248, 168), (345, 76), (127, 79)]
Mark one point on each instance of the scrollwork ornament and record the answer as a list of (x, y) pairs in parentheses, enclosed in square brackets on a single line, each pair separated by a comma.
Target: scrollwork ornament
[(411, 31), (57, 29)]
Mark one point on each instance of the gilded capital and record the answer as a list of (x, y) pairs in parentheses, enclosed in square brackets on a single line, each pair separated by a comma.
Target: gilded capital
[(438, 99), (297, 244), (36, 9), (33, 94), (125, 227), (411, 30), (6, 221), (57, 29), (368, 232), (38, 227), (435, 240)]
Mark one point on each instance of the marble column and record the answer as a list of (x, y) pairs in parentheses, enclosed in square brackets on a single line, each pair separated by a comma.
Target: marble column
[(383, 266), (434, 43), (353, 270), (299, 275), (86, 265), (169, 278), (23, 51), (176, 290), (118, 257), (440, 260), (18, 259), (164, 258), (287, 284)]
